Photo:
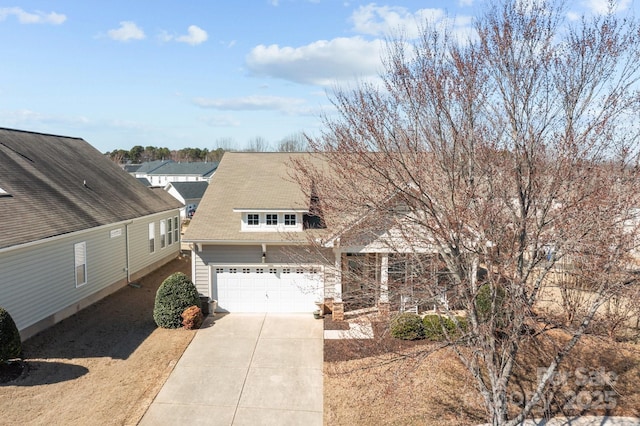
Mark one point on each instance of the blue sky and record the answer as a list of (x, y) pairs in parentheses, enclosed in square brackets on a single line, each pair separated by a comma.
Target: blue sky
[(200, 73)]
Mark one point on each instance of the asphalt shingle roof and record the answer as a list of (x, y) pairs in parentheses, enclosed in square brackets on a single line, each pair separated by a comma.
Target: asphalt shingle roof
[(173, 168), (190, 190), (57, 185), (254, 181)]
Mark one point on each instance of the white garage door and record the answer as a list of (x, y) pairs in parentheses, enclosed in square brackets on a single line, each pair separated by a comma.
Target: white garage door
[(267, 289)]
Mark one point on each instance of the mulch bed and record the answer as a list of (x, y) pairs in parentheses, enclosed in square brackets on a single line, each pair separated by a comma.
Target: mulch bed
[(336, 350)]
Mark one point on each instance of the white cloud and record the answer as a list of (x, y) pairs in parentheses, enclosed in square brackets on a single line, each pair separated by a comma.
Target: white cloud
[(601, 7), (128, 30), (195, 35), (32, 18), (253, 103), (383, 20), (320, 63), (221, 121)]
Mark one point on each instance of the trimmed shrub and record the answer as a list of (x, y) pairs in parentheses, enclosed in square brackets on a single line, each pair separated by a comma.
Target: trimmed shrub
[(407, 326), (10, 343), (192, 318), (175, 294), (435, 326)]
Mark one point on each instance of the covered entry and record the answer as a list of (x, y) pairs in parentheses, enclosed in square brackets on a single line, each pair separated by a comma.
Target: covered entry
[(267, 288)]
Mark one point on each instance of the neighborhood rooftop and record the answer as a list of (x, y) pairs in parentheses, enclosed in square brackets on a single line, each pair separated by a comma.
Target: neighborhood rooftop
[(56, 185)]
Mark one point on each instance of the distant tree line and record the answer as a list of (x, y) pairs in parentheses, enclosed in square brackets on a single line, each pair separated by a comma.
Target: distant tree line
[(139, 154)]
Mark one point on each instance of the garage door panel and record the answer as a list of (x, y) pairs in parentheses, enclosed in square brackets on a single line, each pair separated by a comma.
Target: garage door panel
[(272, 290)]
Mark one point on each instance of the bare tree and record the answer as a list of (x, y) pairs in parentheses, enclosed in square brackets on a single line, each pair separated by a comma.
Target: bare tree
[(296, 142), (258, 144), (510, 154)]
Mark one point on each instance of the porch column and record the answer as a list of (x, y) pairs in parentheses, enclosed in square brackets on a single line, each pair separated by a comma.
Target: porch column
[(383, 302), (338, 307), (384, 278)]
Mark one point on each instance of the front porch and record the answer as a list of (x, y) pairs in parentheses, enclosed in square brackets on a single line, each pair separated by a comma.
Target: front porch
[(384, 282)]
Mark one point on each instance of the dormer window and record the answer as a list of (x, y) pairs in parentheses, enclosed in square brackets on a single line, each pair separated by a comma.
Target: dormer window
[(253, 219), (272, 219), (290, 220)]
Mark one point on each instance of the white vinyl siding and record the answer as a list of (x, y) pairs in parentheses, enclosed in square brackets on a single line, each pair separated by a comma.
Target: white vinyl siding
[(80, 261), (39, 280)]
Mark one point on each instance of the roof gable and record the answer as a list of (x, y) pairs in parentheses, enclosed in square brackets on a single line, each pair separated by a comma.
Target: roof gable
[(190, 190), (247, 181), (62, 184)]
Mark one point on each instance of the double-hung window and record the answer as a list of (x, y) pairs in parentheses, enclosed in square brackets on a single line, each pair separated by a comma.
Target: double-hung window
[(163, 234), (80, 256), (176, 230), (170, 231), (152, 237)]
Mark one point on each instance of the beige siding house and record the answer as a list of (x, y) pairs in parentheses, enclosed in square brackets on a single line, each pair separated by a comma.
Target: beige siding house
[(257, 245), (74, 227)]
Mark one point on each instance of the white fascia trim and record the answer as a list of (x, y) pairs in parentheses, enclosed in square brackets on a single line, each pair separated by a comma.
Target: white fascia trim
[(292, 210), (246, 243)]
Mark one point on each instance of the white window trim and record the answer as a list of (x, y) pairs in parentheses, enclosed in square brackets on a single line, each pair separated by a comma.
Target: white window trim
[(80, 260), (262, 225), (295, 218), (152, 238), (163, 234)]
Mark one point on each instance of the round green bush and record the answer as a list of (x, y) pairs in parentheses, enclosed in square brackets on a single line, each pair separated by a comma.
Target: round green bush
[(175, 294), (10, 343), (407, 326), (435, 326)]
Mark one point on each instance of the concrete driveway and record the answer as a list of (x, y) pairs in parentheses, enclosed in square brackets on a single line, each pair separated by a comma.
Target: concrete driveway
[(246, 369)]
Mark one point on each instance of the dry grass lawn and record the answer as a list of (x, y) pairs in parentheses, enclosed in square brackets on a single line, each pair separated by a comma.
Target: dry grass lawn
[(407, 383), (102, 366)]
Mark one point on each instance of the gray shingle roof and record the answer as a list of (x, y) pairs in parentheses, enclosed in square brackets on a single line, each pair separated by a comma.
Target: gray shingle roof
[(190, 190), (199, 169), (59, 185), (149, 166)]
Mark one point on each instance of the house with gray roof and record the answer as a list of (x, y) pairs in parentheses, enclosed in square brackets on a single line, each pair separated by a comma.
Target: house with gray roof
[(258, 245), (161, 173), (189, 194), (74, 227)]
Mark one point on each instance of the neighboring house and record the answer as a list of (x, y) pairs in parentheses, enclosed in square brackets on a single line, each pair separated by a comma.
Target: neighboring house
[(143, 170), (251, 247), (74, 227), (131, 168), (181, 172), (144, 181), (189, 194)]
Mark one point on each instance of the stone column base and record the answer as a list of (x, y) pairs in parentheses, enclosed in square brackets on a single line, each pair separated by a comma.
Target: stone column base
[(338, 311)]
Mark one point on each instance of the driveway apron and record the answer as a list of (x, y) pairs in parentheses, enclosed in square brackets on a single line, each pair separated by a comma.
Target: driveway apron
[(246, 369)]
